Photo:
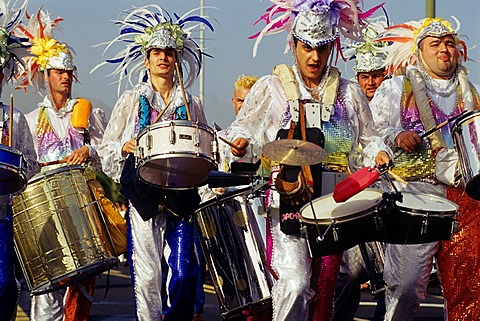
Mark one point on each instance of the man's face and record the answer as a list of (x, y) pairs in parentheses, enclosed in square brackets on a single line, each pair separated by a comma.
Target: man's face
[(238, 98), (370, 81), (60, 81), (312, 61), (161, 62), (439, 55)]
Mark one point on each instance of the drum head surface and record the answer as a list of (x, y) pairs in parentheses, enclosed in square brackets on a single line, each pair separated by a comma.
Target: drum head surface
[(427, 203), (325, 207)]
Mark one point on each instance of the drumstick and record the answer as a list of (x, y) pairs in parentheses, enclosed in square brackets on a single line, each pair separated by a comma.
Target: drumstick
[(162, 112), (398, 178), (443, 123), (228, 143), (55, 162), (10, 128), (180, 81)]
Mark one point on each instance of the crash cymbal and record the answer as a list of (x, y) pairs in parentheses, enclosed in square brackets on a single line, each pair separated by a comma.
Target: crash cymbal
[(294, 152)]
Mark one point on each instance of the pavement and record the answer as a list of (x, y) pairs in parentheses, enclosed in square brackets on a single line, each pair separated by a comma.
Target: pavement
[(118, 303)]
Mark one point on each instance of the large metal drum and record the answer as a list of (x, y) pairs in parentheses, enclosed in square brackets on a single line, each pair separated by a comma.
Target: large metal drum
[(60, 232)]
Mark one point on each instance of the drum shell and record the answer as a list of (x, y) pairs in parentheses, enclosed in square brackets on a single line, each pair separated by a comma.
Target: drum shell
[(13, 170), (405, 223), (60, 233), (235, 253), (176, 154), (344, 231), (466, 133)]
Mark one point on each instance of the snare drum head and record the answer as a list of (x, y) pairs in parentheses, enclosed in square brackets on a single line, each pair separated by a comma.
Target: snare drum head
[(427, 203), (326, 208)]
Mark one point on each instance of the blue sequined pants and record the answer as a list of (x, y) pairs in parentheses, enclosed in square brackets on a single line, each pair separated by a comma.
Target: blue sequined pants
[(147, 240), (8, 284)]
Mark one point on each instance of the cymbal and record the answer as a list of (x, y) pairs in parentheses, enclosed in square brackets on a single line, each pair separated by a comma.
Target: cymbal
[(294, 152)]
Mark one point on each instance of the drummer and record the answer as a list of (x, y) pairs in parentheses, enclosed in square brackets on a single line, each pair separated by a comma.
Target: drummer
[(266, 116), (21, 141), (434, 87), (159, 47), (59, 140)]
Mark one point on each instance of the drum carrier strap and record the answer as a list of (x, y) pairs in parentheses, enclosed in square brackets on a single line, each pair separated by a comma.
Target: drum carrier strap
[(302, 189)]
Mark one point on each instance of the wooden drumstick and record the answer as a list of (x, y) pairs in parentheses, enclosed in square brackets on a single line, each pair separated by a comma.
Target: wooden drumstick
[(398, 178), (55, 162), (180, 81), (228, 143), (10, 128)]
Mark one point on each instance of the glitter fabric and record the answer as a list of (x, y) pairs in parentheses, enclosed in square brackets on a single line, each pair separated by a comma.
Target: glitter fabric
[(50, 145), (324, 278), (419, 164), (338, 137), (459, 261)]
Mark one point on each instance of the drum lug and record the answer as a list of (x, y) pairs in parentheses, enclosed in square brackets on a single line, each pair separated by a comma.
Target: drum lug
[(424, 229), (378, 223), (149, 141), (172, 135), (196, 138), (335, 234), (454, 226)]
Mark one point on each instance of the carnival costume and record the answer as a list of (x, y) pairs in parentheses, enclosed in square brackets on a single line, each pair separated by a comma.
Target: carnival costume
[(263, 117), (55, 138), (150, 231), (13, 50), (416, 101)]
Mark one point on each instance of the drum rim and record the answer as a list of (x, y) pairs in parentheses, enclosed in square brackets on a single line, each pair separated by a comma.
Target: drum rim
[(178, 122), (218, 199), (379, 200), (171, 155), (378, 206), (414, 211), (57, 170), (10, 149), (463, 118)]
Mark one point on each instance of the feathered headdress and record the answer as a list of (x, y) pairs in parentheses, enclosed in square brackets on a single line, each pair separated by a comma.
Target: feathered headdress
[(367, 55), (405, 38), (46, 51), (314, 22), (153, 27), (12, 47)]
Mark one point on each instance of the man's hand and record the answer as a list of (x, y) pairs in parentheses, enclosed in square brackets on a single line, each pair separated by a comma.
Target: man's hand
[(382, 158), (408, 141), (240, 148), (78, 156), (129, 147)]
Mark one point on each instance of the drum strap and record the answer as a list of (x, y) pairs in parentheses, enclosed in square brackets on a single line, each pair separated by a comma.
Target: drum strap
[(87, 294)]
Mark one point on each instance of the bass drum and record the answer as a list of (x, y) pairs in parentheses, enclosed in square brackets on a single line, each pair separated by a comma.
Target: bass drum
[(60, 232), (235, 254)]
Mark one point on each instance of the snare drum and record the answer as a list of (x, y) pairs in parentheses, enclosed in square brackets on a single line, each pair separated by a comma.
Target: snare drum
[(13, 170), (176, 154), (333, 227), (60, 233), (466, 133), (235, 254), (421, 218)]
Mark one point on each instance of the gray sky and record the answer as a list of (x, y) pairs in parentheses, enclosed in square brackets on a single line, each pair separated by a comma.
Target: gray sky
[(89, 22)]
